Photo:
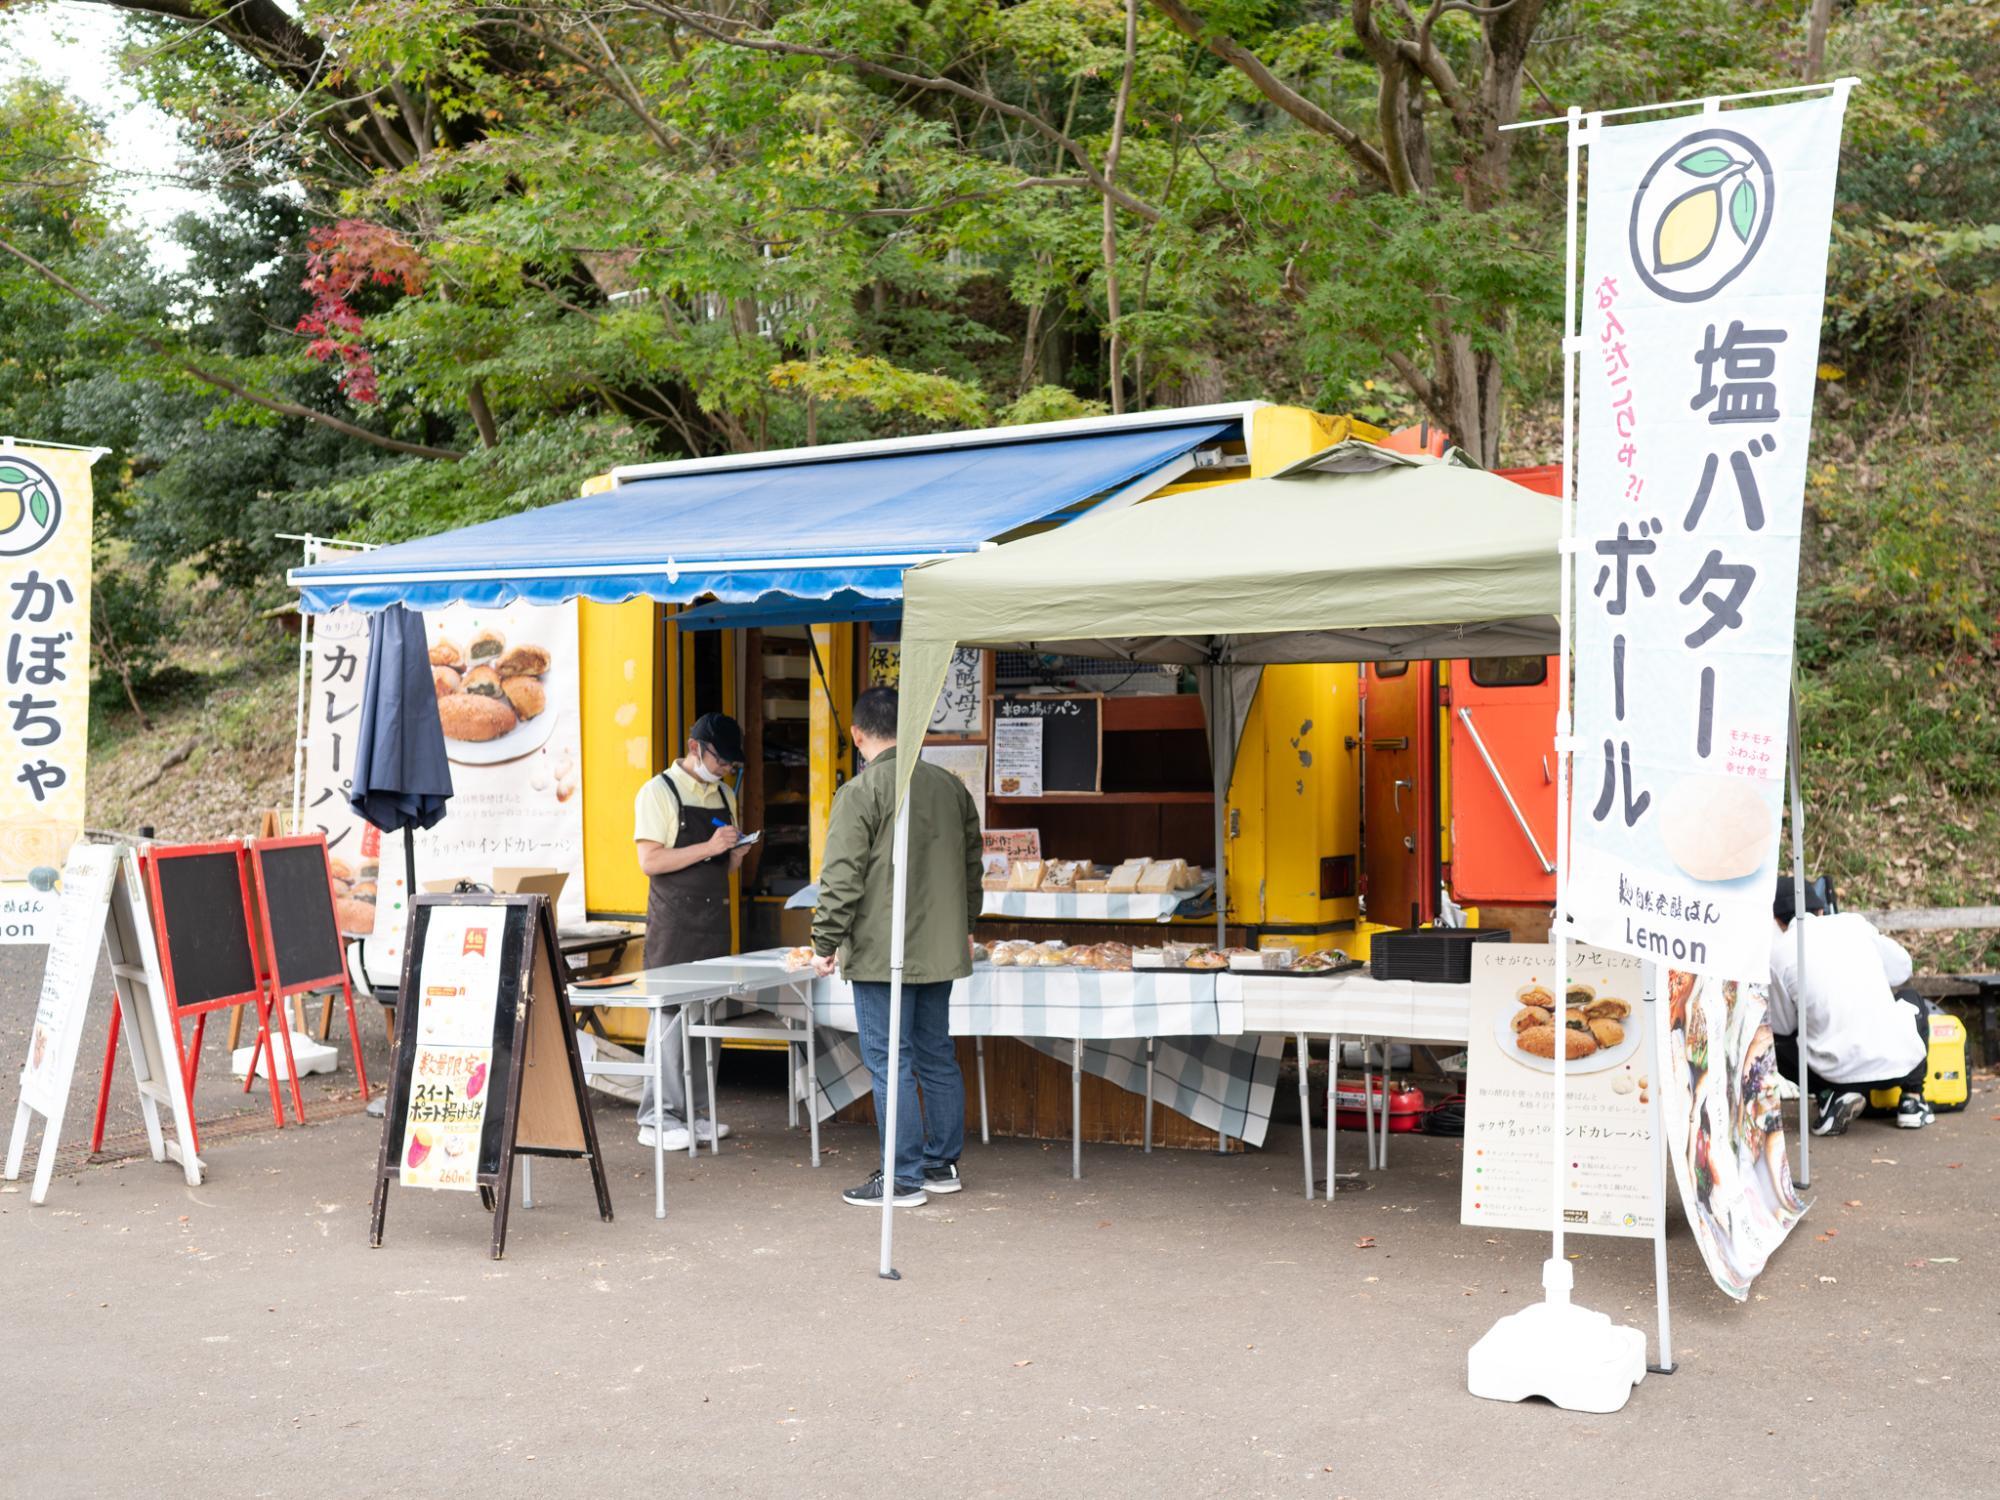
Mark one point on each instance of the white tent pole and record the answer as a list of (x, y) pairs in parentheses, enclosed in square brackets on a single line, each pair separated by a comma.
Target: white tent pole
[(310, 553), (1799, 930), (1556, 1275), (898, 906)]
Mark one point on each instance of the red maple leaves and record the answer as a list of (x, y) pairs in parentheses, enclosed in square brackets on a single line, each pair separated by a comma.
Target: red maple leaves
[(341, 260)]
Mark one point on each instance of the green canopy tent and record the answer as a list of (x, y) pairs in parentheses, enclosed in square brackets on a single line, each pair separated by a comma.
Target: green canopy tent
[(1355, 554)]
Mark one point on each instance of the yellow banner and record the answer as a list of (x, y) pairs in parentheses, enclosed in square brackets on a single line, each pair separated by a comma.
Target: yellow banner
[(45, 518)]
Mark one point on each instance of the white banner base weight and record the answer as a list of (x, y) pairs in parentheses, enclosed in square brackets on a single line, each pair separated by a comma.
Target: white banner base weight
[(1577, 1359), (311, 1057)]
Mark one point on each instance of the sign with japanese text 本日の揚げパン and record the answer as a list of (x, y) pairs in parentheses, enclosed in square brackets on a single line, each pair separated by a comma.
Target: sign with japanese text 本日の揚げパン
[(1704, 274), (45, 529)]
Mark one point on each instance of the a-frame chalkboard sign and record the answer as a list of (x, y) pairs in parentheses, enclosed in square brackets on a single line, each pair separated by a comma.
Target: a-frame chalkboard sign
[(486, 1065)]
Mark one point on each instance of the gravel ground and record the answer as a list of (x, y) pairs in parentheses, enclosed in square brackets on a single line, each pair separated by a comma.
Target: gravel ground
[(1179, 1324)]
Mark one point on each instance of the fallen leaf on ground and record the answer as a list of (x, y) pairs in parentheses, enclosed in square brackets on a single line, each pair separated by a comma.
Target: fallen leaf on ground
[(1829, 1280), (1854, 1203), (1882, 1161), (1103, 1223), (1020, 1363), (1944, 1260), (1953, 1166), (1366, 1242)]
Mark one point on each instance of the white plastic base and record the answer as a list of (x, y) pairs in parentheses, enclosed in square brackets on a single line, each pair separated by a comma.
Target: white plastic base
[(1578, 1359), (311, 1056)]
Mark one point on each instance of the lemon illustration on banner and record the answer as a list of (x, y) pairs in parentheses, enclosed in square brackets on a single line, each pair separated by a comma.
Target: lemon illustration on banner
[(1700, 214), (30, 507)]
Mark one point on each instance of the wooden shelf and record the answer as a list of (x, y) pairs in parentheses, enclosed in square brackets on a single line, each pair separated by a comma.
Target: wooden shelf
[(1102, 798), (1157, 711)]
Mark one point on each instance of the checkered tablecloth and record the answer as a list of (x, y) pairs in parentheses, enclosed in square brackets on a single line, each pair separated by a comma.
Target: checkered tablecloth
[(1222, 1081)]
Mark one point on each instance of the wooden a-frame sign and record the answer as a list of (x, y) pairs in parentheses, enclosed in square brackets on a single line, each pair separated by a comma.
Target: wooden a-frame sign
[(483, 1016)]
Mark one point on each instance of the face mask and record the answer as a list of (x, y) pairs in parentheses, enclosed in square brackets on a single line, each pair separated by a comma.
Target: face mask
[(702, 772)]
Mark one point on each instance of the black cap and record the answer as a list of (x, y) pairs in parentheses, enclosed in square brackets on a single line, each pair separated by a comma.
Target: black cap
[(721, 734), (1783, 903)]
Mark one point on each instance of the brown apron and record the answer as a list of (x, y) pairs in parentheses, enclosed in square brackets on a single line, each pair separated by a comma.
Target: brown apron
[(687, 911)]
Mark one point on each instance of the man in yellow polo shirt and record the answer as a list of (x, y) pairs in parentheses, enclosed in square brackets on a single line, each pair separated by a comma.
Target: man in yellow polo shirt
[(684, 824)]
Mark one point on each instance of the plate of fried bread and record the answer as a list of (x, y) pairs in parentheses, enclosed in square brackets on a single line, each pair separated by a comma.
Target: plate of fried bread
[(1595, 1031)]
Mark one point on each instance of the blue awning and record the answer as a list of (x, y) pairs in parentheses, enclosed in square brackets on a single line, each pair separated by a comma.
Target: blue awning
[(810, 529), (840, 608)]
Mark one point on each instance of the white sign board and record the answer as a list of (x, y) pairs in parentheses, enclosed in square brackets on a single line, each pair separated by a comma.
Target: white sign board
[(1611, 1166), (968, 764), (1704, 274), (102, 909), (457, 991), (1017, 757)]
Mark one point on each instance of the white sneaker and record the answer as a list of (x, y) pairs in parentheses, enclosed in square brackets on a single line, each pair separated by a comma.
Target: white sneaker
[(676, 1137), (707, 1130)]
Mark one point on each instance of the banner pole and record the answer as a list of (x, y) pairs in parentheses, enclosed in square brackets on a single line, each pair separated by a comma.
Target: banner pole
[(1799, 932), (1656, 1121), (1556, 1277), (309, 553)]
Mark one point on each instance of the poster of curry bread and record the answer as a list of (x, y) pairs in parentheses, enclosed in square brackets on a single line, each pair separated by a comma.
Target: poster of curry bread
[(1603, 1027), (506, 685), (1725, 1126)]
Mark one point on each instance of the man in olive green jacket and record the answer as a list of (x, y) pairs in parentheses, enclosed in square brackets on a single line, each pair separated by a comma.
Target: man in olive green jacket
[(853, 924)]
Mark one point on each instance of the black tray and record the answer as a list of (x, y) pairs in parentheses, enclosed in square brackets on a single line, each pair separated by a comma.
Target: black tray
[(1434, 955), (1333, 973)]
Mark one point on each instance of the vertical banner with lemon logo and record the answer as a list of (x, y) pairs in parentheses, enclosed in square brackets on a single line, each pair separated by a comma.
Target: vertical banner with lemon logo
[(45, 518), (1704, 277)]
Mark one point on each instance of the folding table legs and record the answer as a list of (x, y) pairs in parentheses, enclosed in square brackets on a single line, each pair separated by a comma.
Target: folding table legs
[(812, 1081), (687, 1080), (1076, 1110), (1305, 1115), (1149, 1095), (1332, 1122), (659, 1128), (979, 1066)]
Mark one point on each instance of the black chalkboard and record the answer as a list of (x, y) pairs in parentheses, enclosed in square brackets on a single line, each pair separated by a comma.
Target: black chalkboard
[(1072, 737), (205, 949), (297, 900)]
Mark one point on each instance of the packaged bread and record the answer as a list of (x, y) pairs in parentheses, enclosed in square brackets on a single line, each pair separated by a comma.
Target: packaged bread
[(1125, 879), (1095, 887), (1025, 875), (1162, 876), (1051, 955), (1059, 875)]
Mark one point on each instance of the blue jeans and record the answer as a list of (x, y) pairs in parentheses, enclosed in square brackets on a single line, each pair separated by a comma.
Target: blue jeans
[(933, 1135)]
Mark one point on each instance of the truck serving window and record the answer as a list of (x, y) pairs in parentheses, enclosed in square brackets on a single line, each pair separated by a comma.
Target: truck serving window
[(1509, 671)]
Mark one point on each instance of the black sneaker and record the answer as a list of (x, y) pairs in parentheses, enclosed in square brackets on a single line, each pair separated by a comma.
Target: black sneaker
[(869, 1195), (1913, 1113), (942, 1179), (1838, 1113)]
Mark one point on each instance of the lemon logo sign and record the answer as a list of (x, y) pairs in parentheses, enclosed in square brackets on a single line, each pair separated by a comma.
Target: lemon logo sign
[(1700, 215), (30, 507)]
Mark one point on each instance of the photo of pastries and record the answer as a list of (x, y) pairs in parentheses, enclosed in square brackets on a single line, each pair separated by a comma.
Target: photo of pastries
[(493, 697), (1594, 1030)]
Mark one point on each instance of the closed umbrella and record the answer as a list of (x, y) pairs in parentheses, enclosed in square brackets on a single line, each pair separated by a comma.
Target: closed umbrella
[(401, 776)]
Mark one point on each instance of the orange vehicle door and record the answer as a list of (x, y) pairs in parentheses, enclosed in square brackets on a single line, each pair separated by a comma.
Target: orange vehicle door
[(1503, 789), (1398, 752)]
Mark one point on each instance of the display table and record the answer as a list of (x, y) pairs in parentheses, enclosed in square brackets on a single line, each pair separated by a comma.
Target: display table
[(1354, 1004)]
